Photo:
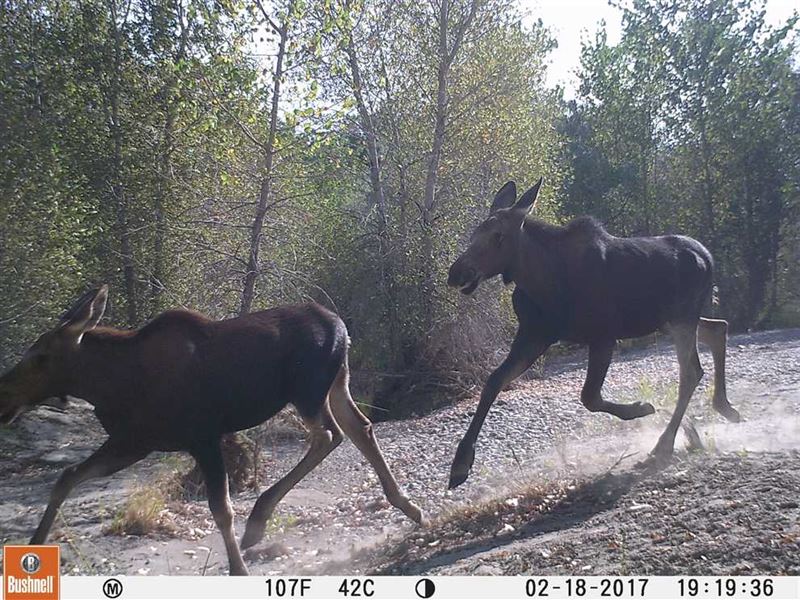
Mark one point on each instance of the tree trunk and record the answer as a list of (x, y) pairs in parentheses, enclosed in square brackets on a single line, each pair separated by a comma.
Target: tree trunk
[(119, 197), (708, 186), (432, 175), (447, 53), (265, 193), (162, 192), (387, 282), (164, 188)]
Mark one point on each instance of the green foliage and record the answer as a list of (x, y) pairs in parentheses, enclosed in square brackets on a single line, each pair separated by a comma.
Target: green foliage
[(690, 124), (135, 138)]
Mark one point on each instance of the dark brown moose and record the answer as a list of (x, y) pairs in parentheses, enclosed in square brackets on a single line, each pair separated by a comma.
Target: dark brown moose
[(578, 283), (183, 380)]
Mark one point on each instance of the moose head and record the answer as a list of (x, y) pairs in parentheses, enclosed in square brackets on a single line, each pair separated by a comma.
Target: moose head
[(493, 244), (44, 374)]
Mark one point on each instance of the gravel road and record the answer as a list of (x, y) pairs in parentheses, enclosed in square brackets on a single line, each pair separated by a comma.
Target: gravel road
[(537, 432)]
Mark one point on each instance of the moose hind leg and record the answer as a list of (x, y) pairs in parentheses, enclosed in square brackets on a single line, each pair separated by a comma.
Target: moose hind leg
[(714, 334), (209, 459), (359, 429), (106, 460), (599, 360), (691, 372), (325, 436)]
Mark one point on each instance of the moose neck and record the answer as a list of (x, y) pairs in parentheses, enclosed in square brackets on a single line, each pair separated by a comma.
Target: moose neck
[(535, 264), (101, 372)]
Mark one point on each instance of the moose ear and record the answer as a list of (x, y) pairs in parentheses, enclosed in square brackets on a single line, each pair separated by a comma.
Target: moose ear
[(527, 201), (87, 311), (504, 197)]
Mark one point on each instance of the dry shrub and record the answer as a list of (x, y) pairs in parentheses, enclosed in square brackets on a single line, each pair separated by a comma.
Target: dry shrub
[(241, 453), (467, 341), (143, 513), (238, 452), (482, 521)]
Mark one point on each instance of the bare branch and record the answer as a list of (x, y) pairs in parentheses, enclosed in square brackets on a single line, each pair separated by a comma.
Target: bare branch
[(267, 18)]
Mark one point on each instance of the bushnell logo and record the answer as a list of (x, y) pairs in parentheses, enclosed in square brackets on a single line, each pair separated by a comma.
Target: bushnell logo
[(30, 563), (31, 572)]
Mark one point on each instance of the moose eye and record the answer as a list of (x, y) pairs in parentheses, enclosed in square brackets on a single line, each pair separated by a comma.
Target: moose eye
[(497, 238), (40, 360)]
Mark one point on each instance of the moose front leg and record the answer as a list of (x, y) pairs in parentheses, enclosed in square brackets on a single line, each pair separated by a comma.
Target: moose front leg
[(109, 458), (524, 351), (209, 459), (599, 360)]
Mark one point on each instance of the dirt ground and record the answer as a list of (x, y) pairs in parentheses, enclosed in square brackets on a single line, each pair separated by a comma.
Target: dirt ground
[(553, 490), (734, 514)]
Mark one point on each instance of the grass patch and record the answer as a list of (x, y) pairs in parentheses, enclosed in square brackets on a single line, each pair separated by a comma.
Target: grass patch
[(480, 522), (279, 524), (521, 512), (145, 510), (141, 514), (660, 394)]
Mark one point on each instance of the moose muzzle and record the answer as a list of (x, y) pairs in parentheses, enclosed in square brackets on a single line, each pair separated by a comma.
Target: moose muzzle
[(463, 277)]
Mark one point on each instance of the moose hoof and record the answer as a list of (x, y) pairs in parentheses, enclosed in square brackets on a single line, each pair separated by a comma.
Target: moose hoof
[(459, 472), (240, 571), (415, 513), (457, 478), (653, 463), (252, 535), (659, 457), (626, 412), (419, 518), (640, 409), (730, 413), (462, 464)]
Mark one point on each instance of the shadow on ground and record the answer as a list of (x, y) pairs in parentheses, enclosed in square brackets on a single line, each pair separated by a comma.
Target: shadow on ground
[(524, 518)]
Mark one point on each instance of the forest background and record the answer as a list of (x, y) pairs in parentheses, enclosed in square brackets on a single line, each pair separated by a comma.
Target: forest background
[(229, 156)]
